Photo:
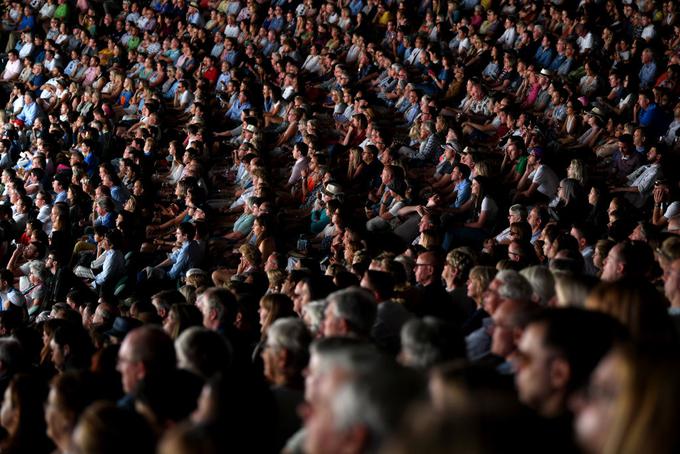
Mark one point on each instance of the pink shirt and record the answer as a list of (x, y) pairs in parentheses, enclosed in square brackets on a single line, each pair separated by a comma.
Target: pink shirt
[(90, 76)]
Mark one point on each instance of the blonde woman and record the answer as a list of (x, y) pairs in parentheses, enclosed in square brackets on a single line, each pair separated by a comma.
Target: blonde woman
[(631, 405), (113, 88), (571, 290), (477, 283), (273, 307), (577, 171), (276, 279), (639, 306)]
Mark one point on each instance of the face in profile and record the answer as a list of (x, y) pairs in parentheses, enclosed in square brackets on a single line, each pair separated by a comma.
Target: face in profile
[(532, 361), (596, 408)]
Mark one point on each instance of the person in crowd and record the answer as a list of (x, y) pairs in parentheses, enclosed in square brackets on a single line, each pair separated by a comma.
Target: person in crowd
[(563, 362), (146, 352), (24, 415), (193, 191)]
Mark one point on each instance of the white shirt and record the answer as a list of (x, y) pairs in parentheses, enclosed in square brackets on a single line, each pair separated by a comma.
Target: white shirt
[(25, 50), (414, 57), (642, 179), (648, 32), (44, 217), (312, 64), (47, 10), (13, 296), (186, 99), (12, 70), (546, 179), (585, 43), (51, 64), (490, 208), (353, 53), (672, 130), (503, 236), (231, 31), (296, 172), (18, 105), (507, 39), (672, 210)]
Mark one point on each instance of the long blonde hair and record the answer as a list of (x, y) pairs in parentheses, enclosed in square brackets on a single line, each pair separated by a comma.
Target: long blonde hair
[(577, 171), (648, 405), (638, 306)]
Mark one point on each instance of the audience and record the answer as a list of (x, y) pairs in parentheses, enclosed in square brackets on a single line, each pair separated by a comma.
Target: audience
[(288, 219)]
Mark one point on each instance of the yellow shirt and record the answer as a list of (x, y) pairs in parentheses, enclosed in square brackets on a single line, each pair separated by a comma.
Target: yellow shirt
[(386, 17)]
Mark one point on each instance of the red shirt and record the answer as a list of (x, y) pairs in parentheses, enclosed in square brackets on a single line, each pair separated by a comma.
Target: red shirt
[(211, 74)]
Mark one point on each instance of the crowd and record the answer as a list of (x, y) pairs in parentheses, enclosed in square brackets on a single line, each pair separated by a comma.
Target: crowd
[(280, 226)]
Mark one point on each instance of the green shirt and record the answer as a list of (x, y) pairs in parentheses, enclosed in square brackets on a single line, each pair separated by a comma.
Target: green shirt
[(521, 165), (61, 12), (133, 43)]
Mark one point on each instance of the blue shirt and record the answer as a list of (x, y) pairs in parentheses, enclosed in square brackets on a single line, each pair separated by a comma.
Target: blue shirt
[(648, 115), (565, 67), (544, 56), (114, 267), (647, 74), (222, 81), (654, 120), (108, 221), (195, 19), (185, 258), (276, 24), (171, 91), (91, 163), (234, 112), (38, 54), (320, 220), (29, 113), (27, 22), (427, 150), (463, 192), (469, 4), (217, 49), (71, 67), (270, 47), (38, 80), (231, 56), (411, 113), (244, 223), (355, 6), (173, 54), (119, 195), (557, 62)]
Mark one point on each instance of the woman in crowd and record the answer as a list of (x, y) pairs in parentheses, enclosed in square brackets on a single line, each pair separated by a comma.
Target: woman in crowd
[(23, 416), (630, 397), (70, 394), (179, 318), (570, 203)]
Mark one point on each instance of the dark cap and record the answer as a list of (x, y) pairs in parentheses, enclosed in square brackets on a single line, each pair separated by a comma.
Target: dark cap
[(122, 326), (538, 152)]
